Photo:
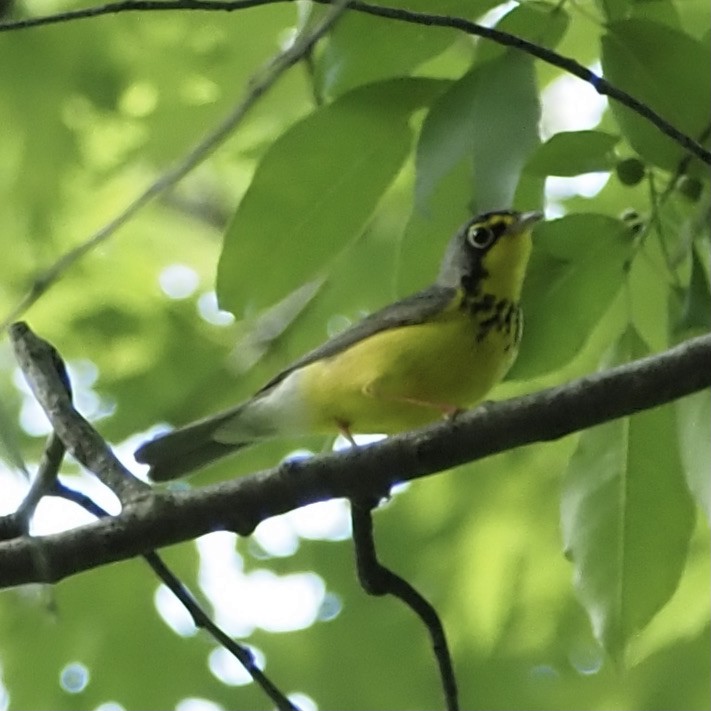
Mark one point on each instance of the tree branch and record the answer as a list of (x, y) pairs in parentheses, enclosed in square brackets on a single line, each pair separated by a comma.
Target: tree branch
[(163, 518), (18, 523), (601, 85), (201, 619), (47, 378), (378, 580), (257, 87)]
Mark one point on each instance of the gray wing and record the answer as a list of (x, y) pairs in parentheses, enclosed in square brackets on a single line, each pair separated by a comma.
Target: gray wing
[(408, 312), (183, 450)]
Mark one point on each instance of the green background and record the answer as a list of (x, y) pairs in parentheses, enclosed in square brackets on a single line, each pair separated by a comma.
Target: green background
[(569, 575)]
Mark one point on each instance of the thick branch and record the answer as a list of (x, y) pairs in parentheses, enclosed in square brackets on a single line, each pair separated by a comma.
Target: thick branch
[(166, 518)]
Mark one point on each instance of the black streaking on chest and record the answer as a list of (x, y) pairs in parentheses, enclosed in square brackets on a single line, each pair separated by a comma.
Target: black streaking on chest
[(492, 314)]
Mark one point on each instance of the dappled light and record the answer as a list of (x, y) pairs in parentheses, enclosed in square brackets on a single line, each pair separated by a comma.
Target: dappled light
[(570, 105), (245, 600), (74, 678), (210, 311), (178, 281), (254, 236)]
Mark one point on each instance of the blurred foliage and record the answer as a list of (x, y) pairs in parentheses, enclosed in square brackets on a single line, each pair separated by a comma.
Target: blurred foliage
[(569, 575)]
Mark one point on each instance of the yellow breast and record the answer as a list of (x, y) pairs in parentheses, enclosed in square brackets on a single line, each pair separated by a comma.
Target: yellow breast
[(406, 377)]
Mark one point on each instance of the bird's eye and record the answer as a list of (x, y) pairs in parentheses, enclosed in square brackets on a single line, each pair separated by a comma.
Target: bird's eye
[(480, 237)]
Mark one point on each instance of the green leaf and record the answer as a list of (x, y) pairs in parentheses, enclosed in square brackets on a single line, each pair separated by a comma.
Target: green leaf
[(428, 231), (627, 517), (614, 9), (693, 415), (695, 18), (315, 189), (474, 122), (469, 159), (10, 450), (572, 153), (577, 268), (676, 83), (691, 316), (263, 333), (393, 48), (540, 22), (662, 12)]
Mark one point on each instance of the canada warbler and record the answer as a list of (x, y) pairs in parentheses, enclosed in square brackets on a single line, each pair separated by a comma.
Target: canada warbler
[(431, 354)]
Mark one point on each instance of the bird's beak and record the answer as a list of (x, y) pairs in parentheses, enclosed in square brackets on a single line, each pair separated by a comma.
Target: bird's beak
[(526, 219)]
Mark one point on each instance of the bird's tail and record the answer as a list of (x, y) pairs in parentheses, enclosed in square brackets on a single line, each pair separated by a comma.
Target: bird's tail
[(182, 451)]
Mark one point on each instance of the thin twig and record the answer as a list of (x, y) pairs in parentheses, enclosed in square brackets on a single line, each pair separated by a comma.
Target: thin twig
[(601, 85), (200, 618), (44, 482), (18, 523), (378, 580), (681, 170), (257, 87), (657, 201), (113, 8)]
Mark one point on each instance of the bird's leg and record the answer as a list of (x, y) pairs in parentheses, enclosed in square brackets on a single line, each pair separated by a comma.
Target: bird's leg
[(373, 500), (345, 431), (454, 412)]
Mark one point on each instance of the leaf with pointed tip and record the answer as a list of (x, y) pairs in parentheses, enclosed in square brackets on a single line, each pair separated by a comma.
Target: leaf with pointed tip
[(627, 517), (315, 189), (675, 83), (473, 123)]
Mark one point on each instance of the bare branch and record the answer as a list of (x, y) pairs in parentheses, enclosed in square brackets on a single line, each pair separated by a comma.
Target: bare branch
[(257, 87), (18, 523), (378, 580), (45, 374), (200, 618), (44, 480), (164, 517), (601, 85), (113, 8)]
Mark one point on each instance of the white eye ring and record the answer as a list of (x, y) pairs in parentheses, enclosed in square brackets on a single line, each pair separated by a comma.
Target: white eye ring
[(480, 237)]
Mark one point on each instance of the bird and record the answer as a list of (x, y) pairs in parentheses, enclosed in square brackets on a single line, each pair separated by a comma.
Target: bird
[(427, 356)]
